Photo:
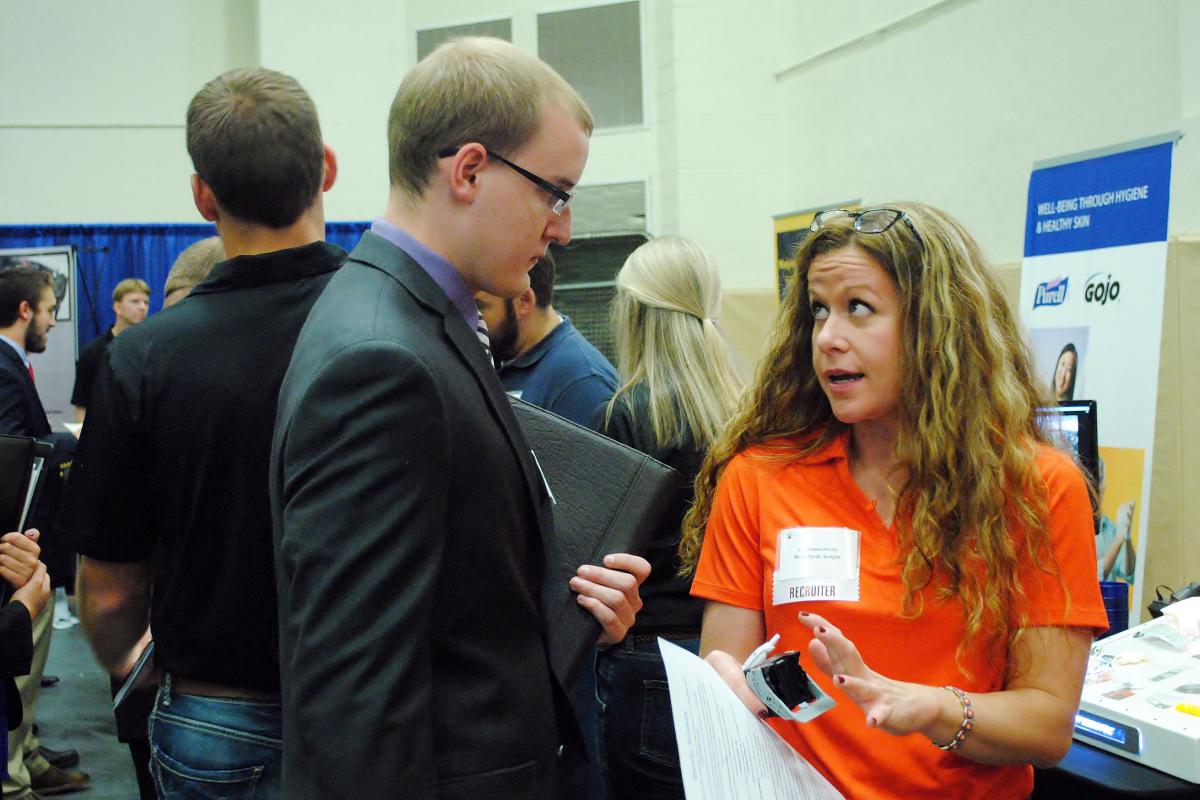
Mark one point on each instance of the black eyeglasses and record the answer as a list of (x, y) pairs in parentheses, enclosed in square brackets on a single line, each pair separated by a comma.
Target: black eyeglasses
[(871, 220), (561, 196)]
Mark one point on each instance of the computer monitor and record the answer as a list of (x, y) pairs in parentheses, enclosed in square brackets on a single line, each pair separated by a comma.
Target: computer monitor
[(1072, 426)]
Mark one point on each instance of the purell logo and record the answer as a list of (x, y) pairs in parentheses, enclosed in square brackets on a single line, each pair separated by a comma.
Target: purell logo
[(1051, 293)]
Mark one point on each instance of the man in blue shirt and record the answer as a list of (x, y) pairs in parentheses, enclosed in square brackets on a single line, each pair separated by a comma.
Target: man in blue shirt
[(543, 358)]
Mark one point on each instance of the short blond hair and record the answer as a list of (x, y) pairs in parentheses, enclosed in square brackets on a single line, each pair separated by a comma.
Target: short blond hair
[(194, 264), (129, 286), (472, 89), (254, 138)]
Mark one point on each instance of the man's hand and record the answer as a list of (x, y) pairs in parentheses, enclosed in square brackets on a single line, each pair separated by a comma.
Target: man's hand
[(19, 556), (34, 593), (611, 593)]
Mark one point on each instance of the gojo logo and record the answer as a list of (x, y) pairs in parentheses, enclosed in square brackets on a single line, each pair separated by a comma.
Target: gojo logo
[(1101, 288)]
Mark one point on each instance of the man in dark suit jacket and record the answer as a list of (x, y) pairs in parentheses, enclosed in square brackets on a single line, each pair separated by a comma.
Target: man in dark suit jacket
[(412, 525), (27, 306)]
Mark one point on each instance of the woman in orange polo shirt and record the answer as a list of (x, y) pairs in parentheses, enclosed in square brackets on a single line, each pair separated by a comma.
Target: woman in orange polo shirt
[(888, 501)]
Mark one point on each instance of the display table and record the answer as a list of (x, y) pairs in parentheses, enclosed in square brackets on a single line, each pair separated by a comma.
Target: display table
[(1095, 774)]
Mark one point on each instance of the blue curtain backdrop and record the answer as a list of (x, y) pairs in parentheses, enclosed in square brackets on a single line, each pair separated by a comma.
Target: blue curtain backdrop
[(107, 254)]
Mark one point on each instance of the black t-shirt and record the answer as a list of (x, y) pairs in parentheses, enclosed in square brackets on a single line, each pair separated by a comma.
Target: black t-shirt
[(90, 359), (667, 605), (173, 461)]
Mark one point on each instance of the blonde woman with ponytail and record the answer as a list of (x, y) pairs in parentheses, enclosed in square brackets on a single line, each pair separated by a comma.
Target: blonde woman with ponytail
[(678, 389), (887, 503)]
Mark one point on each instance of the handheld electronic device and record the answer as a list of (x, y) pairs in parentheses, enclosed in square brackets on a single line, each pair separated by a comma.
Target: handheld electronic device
[(783, 686)]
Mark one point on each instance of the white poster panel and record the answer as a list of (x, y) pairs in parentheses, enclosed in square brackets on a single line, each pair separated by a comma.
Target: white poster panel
[(1092, 286)]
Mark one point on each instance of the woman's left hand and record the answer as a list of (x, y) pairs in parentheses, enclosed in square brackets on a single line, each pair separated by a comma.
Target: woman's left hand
[(19, 554), (895, 706)]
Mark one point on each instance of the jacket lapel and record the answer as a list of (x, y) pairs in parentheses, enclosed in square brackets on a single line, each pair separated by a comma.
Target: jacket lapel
[(39, 424), (379, 253)]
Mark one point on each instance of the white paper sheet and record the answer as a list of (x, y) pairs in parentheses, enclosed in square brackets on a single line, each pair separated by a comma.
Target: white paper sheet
[(727, 753), (34, 472)]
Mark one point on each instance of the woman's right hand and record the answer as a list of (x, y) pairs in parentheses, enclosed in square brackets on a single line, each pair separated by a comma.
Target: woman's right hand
[(36, 591)]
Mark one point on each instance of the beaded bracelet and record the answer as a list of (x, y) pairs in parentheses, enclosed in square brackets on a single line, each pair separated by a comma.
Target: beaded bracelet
[(968, 720)]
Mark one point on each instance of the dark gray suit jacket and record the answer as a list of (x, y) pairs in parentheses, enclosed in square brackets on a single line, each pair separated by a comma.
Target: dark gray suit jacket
[(411, 532), (21, 412)]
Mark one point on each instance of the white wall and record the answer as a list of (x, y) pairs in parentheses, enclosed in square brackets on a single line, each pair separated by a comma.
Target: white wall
[(350, 56), (753, 109), (627, 154), (719, 157), (956, 108), (92, 103)]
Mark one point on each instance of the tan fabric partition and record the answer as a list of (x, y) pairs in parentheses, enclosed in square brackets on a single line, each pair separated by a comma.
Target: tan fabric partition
[(747, 317), (1173, 549), (1172, 553)]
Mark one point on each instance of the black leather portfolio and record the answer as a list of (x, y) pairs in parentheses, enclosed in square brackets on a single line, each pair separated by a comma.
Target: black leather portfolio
[(608, 498), (18, 455), (134, 698)]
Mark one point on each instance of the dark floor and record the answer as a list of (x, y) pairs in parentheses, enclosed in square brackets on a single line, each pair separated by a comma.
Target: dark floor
[(78, 713)]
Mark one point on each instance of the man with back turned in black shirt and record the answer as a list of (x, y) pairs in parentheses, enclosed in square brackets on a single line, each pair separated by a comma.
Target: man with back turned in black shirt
[(169, 489)]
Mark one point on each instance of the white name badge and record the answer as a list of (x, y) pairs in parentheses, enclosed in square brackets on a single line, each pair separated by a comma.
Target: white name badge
[(816, 564)]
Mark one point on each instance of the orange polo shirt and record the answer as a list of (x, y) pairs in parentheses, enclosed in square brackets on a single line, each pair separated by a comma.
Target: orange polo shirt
[(759, 496)]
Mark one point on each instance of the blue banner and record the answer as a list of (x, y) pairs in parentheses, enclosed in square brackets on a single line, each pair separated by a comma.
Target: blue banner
[(1109, 201), (106, 254)]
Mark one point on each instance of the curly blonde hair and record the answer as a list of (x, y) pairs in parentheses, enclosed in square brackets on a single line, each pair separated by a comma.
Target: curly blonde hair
[(968, 434)]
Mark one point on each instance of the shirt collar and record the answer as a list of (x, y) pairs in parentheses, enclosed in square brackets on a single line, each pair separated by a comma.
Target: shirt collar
[(836, 450), (444, 274), (535, 353), (20, 350), (264, 269)]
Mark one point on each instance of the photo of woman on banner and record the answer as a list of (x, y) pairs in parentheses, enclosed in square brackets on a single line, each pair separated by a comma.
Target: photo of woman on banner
[(1065, 370), (888, 503), (1060, 355)]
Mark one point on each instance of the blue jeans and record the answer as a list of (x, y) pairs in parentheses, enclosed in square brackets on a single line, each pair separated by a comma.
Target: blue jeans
[(214, 748), (587, 712), (640, 755)]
